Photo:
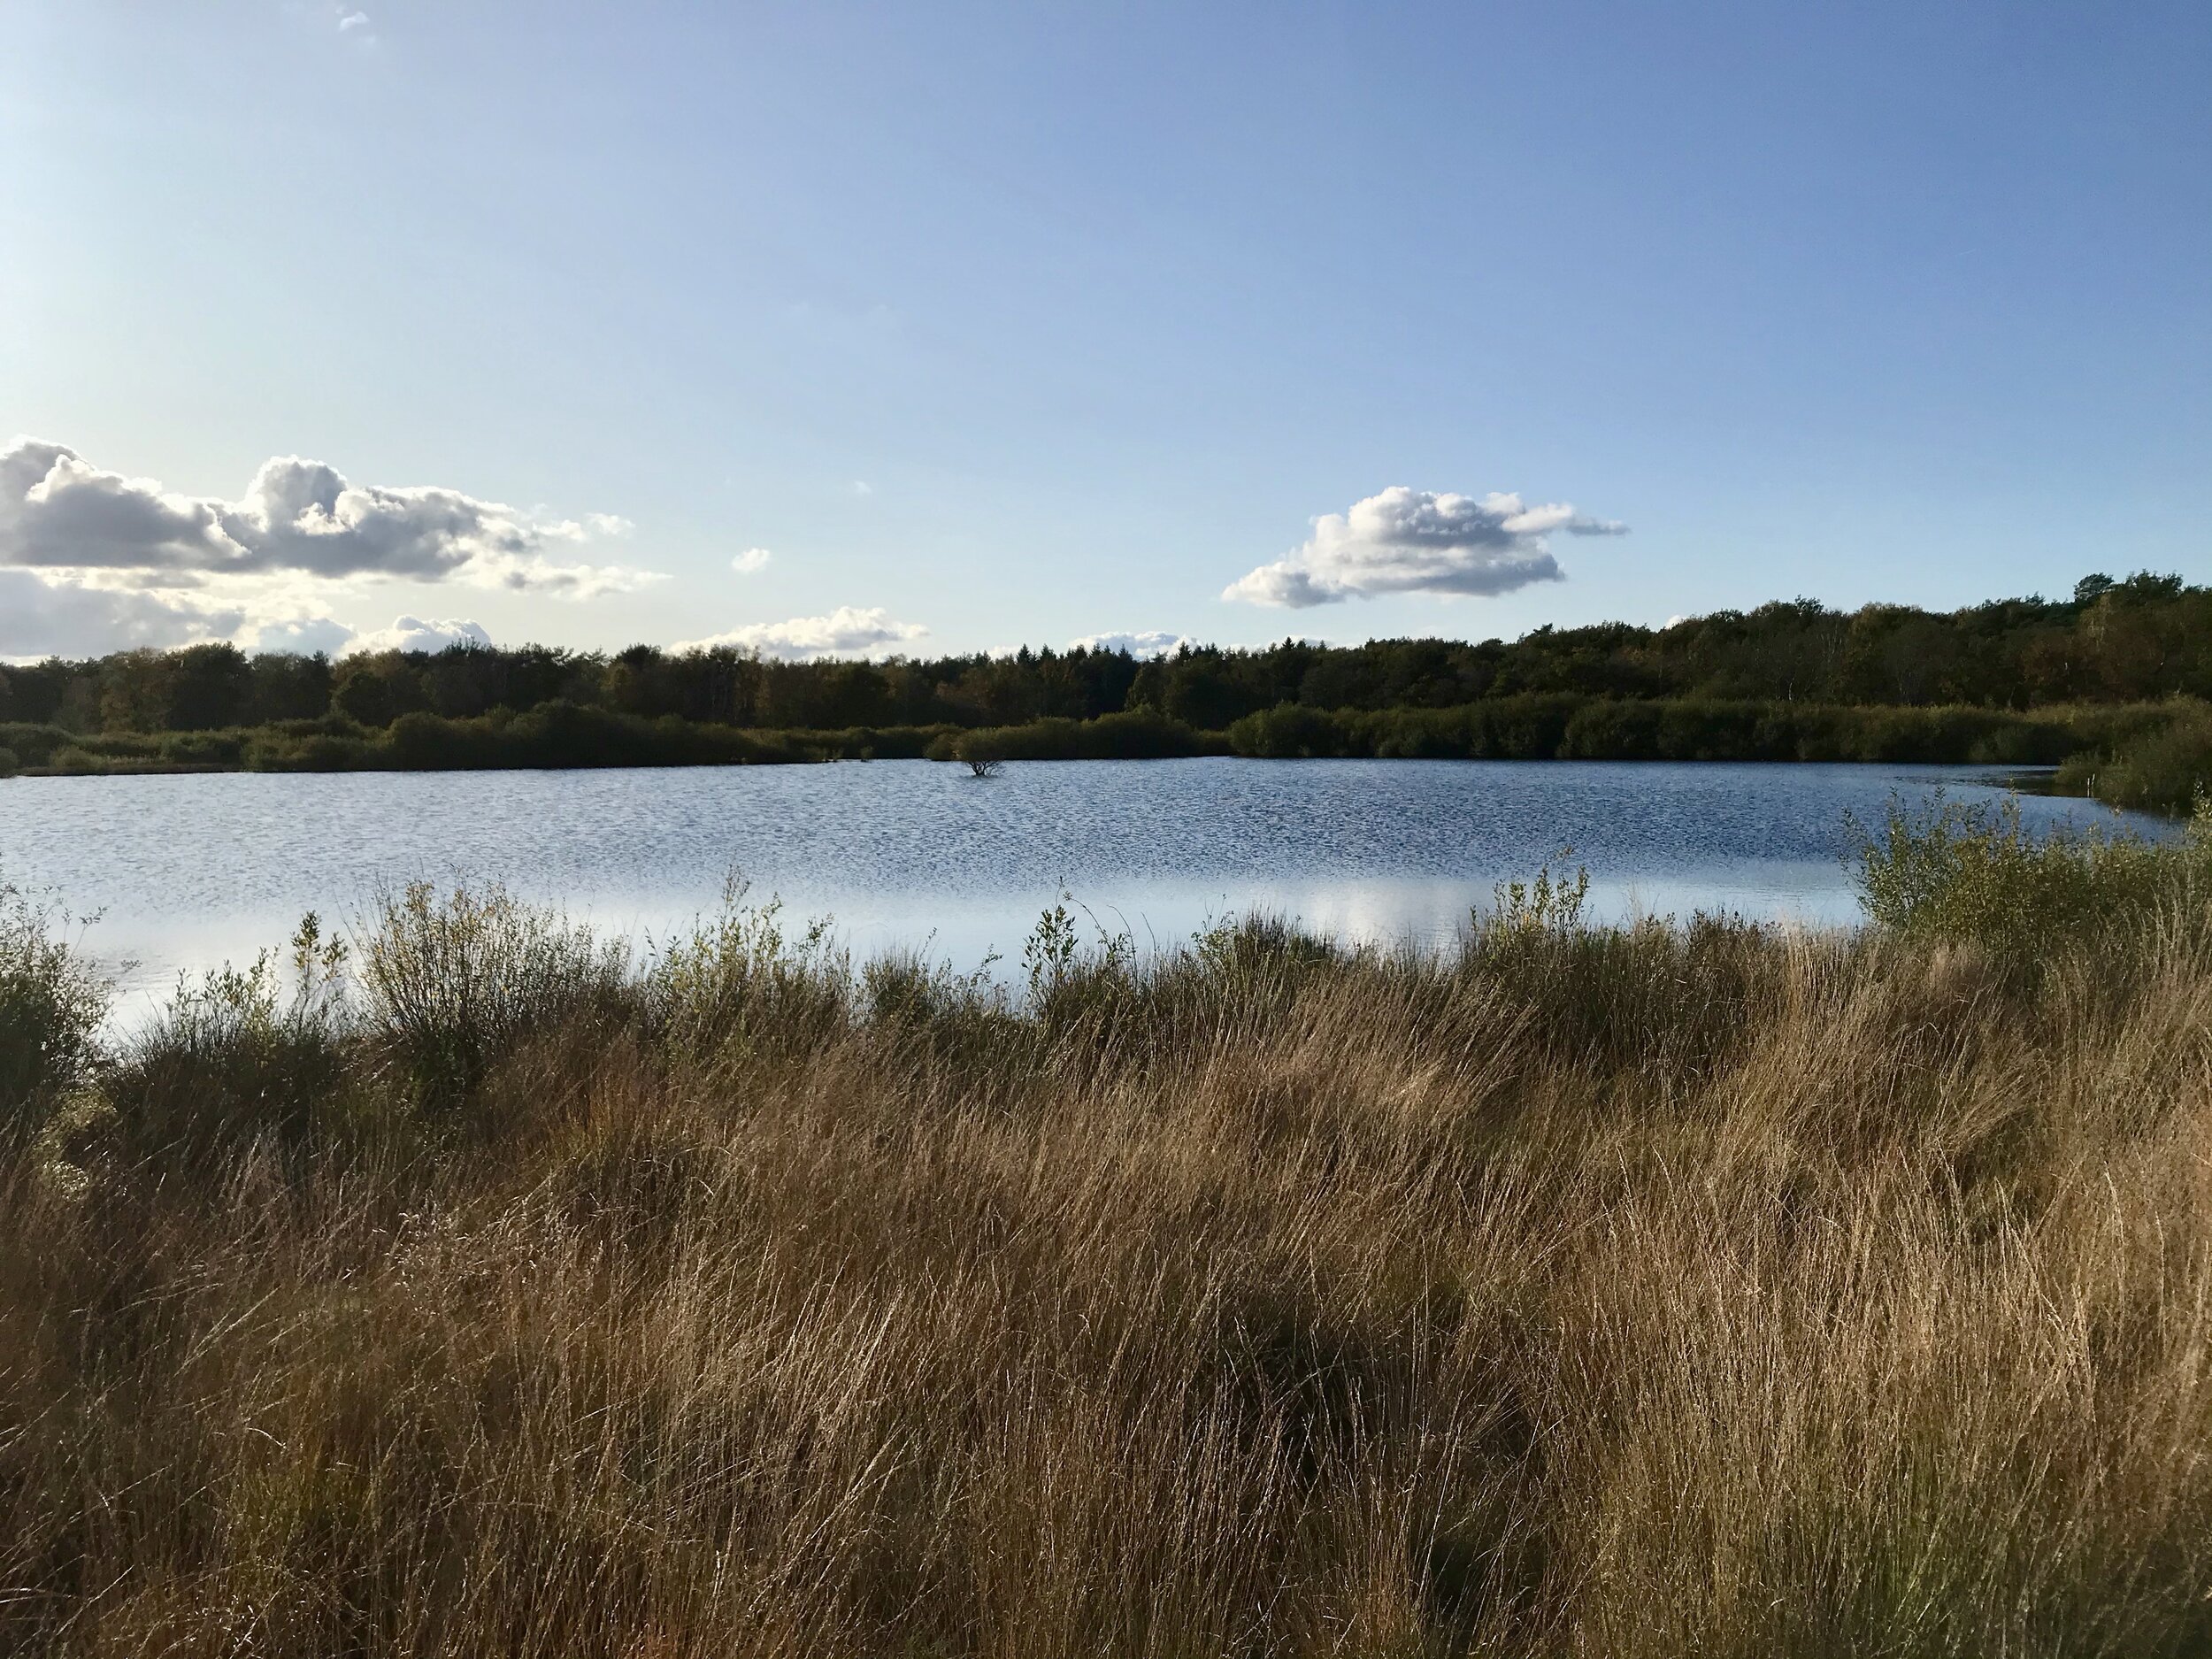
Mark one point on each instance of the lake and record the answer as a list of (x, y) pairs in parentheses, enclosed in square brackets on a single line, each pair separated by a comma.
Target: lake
[(189, 870)]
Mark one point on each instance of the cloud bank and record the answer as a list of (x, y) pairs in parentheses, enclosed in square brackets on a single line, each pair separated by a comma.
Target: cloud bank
[(847, 631), (302, 636), (39, 617), (1153, 642), (412, 633), (1418, 541), (59, 512)]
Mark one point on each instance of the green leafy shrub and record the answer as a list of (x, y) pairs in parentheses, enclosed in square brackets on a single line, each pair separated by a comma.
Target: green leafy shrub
[(1547, 905), (452, 984), (738, 975), (980, 752), (51, 1007), (1138, 734), (233, 1055), (1972, 871), (2163, 769), (1073, 982), (1288, 731)]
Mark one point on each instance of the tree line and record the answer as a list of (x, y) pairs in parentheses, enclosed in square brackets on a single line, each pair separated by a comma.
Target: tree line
[(2132, 641)]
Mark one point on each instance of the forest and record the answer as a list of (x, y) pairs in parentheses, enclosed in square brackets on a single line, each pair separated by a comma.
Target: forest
[(2112, 679)]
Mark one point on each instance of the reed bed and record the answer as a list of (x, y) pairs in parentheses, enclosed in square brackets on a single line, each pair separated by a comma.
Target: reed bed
[(486, 1287)]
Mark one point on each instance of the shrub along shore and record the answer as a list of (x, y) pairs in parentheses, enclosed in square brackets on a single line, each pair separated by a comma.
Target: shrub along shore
[(475, 1285), (2137, 755)]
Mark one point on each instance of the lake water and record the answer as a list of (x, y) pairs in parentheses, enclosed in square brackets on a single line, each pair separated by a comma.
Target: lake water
[(194, 870)]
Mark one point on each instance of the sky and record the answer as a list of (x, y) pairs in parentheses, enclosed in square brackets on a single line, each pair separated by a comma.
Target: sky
[(823, 327)]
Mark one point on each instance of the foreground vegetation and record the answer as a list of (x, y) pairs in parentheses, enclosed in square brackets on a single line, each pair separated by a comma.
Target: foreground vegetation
[(2112, 681), (488, 1288)]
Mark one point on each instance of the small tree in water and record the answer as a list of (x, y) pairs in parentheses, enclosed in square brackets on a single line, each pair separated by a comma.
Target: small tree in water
[(980, 754)]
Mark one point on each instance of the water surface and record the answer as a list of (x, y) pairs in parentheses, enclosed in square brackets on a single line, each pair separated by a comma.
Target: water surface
[(190, 870)]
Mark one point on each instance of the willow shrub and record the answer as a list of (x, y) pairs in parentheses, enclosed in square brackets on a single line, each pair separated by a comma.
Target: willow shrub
[(452, 984), (740, 977), (1973, 871), (2164, 769), (52, 1004), (238, 1055)]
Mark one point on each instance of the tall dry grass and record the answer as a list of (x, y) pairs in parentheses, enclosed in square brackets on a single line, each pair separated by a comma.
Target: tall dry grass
[(1707, 1290)]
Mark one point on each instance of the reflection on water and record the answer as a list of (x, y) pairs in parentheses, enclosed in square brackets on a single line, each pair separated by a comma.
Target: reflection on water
[(191, 869)]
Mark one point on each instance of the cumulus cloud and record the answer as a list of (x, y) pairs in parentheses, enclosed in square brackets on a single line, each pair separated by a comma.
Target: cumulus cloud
[(752, 559), (1418, 541), (847, 631), (42, 618), (304, 636), (1154, 643), (413, 633), (59, 512)]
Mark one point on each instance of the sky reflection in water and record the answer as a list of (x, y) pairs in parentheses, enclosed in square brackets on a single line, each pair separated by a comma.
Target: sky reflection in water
[(189, 871)]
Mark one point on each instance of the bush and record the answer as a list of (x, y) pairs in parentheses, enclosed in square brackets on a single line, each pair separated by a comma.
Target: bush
[(1141, 734), (2162, 770), (1288, 731), (737, 975), (233, 1057), (33, 745), (1971, 870), (453, 984), (51, 1007), (980, 752)]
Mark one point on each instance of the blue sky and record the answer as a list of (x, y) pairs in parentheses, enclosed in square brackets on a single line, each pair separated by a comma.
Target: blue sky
[(1028, 323)]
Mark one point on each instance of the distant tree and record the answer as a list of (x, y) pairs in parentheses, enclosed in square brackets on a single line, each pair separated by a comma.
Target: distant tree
[(210, 686), (376, 690), (134, 694), (77, 707), (283, 686), (196, 690), (980, 754), (36, 690)]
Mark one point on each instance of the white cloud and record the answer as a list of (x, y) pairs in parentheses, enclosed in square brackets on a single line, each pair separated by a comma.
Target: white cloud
[(353, 25), (59, 512), (1156, 642), (413, 633), (611, 526), (862, 486), (39, 617), (304, 636), (752, 559), (847, 631), (1414, 541)]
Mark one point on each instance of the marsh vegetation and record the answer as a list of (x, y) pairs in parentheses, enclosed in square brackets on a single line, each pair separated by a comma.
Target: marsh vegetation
[(473, 1284)]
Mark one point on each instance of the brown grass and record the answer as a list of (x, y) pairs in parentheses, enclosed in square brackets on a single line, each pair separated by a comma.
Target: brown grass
[(1691, 1292)]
